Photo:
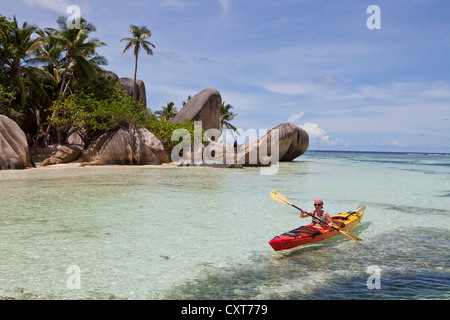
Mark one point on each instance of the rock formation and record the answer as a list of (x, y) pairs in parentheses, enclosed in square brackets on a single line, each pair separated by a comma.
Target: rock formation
[(14, 151), (126, 146), (293, 141), (205, 107), (106, 73), (128, 85), (213, 154), (287, 139), (63, 154)]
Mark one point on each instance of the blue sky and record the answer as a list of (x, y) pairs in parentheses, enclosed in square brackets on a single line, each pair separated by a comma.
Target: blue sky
[(311, 62)]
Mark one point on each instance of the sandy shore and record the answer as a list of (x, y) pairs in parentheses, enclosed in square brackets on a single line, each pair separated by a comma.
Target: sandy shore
[(72, 165)]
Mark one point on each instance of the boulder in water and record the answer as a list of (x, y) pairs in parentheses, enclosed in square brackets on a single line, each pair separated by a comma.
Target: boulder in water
[(292, 142)]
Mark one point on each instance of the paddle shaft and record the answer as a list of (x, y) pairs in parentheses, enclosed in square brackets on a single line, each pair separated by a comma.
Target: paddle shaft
[(320, 219)]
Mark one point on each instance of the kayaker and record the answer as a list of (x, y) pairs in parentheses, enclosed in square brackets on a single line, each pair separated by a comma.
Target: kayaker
[(318, 212)]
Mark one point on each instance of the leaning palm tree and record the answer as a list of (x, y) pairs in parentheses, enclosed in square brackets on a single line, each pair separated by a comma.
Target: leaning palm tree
[(48, 52), (138, 41), (167, 112), (80, 55), (226, 116)]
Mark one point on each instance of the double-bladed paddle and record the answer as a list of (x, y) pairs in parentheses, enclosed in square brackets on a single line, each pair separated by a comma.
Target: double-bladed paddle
[(282, 199)]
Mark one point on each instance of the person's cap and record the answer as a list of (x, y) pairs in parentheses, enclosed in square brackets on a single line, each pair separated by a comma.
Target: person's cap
[(318, 201)]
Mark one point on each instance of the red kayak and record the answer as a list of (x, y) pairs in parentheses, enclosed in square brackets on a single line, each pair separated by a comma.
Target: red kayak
[(309, 234)]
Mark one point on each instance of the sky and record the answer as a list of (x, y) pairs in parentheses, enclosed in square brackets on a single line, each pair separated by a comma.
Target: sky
[(354, 79)]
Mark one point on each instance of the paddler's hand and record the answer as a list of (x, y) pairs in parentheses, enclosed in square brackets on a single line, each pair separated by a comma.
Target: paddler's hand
[(330, 225)]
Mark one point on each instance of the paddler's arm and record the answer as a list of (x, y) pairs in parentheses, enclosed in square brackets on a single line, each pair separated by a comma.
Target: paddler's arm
[(327, 219), (303, 214)]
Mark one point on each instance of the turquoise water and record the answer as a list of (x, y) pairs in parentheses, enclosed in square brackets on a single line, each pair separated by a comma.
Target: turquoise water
[(201, 233)]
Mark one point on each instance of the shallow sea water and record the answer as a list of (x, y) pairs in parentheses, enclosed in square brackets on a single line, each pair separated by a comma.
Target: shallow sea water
[(201, 233)]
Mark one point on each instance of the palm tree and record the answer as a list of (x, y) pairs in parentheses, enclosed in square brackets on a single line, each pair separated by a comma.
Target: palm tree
[(81, 57), (49, 51), (187, 100), (138, 41), (167, 112), (226, 116), (29, 82), (18, 62)]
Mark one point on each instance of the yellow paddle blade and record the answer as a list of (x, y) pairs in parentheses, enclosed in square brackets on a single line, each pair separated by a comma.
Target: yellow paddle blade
[(279, 197), (349, 235)]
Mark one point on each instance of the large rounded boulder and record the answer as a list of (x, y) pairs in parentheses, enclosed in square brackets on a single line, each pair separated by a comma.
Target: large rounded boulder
[(126, 146), (290, 140), (14, 151), (204, 107), (128, 85)]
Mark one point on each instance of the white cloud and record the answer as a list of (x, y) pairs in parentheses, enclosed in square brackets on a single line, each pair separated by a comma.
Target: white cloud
[(317, 135), (397, 143), (225, 4), (438, 91), (328, 80), (295, 117), (315, 132), (59, 6)]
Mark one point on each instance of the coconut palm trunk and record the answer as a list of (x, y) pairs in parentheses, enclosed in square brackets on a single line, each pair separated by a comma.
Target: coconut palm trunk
[(138, 41), (135, 77)]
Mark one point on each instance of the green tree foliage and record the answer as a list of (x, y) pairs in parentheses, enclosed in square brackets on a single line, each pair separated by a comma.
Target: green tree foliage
[(167, 112), (226, 115), (80, 55), (165, 129), (97, 108), (56, 71)]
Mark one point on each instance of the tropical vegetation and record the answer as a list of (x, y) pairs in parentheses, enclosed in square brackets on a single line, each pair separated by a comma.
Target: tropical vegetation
[(167, 112), (226, 115), (53, 77)]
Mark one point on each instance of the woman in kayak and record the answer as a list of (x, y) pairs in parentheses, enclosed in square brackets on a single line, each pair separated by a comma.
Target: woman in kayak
[(316, 214)]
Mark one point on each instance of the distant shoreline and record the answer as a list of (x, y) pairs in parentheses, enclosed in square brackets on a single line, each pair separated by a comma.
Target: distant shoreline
[(382, 152)]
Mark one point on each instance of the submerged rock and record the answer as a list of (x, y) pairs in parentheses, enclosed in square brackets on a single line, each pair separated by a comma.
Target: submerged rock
[(204, 107), (14, 151)]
